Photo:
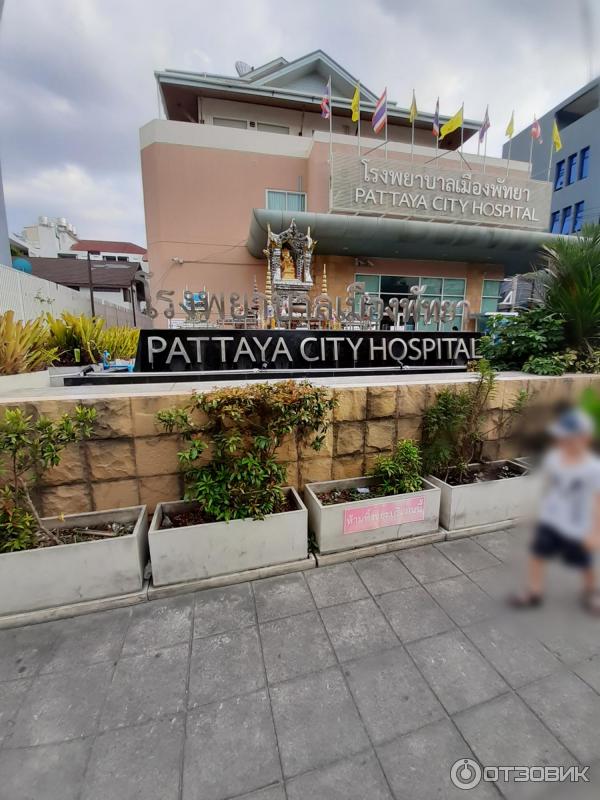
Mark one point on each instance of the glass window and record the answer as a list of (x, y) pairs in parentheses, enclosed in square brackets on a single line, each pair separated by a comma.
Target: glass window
[(565, 226), (491, 288), (554, 221), (285, 201), (559, 180), (578, 217), (489, 305), (434, 285), (371, 283), (454, 287), (266, 127), (572, 169), (584, 163), (490, 296), (396, 285), (224, 122)]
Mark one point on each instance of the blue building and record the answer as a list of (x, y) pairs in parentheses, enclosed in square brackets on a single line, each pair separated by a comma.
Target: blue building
[(575, 168)]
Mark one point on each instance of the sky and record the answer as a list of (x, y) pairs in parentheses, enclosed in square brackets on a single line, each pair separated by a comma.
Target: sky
[(77, 77)]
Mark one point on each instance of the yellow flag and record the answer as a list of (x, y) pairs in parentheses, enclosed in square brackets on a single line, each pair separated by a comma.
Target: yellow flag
[(510, 128), (413, 109), (355, 105), (556, 140), (453, 123)]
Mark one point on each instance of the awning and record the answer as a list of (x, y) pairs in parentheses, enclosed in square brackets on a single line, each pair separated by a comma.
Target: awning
[(384, 237)]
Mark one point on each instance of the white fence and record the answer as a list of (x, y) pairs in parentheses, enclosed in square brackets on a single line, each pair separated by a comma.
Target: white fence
[(29, 297)]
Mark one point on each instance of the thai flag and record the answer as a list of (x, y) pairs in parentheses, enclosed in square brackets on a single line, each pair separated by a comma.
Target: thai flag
[(326, 101), (485, 125), (435, 129), (380, 113), (536, 131)]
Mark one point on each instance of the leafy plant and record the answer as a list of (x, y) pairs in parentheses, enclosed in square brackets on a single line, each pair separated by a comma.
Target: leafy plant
[(401, 472), (511, 341), (29, 446), (556, 364), (76, 337), (121, 342), (588, 362), (244, 426), (24, 346), (453, 428)]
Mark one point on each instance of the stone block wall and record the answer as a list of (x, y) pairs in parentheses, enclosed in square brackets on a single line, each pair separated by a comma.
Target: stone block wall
[(130, 461)]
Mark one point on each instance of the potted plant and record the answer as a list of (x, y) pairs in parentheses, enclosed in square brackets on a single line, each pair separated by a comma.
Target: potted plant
[(62, 560), (393, 502), (236, 515), (474, 492), (25, 353)]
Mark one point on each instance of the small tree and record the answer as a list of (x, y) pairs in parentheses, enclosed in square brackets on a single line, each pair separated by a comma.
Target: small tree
[(401, 472), (244, 427), (28, 447)]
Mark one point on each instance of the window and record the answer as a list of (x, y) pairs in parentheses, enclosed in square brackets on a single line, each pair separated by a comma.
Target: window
[(565, 226), (584, 163), (110, 258), (490, 296), (286, 201), (266, 127), (572, 169), (578, 217), (554, 221), (224, 122), (559, 180)]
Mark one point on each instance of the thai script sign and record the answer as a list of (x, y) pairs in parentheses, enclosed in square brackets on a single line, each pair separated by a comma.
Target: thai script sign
[(382, 515), (394, 188)]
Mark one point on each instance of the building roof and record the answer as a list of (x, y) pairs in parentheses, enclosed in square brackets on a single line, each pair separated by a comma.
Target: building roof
[(297, 84), (74, 272), (83, 245)]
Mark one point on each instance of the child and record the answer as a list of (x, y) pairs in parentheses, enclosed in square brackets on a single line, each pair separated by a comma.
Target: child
[(569, 518)]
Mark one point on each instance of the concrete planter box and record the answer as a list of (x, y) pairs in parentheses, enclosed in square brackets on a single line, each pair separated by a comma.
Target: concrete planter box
[(47, 577), (207, 550), (26, 380), (328, 523), (57, 374), (484, 503)]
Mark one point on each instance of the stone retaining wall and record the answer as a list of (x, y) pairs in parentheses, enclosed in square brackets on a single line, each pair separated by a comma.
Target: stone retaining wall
[(129, 461)]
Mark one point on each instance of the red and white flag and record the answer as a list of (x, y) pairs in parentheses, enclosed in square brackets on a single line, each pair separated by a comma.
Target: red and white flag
[(536, 131), (326, 101)]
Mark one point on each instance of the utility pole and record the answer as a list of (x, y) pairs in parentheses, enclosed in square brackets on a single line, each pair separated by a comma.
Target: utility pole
[(91, 278)]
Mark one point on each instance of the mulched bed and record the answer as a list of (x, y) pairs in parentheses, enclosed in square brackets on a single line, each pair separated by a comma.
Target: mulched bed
[(96, 533), (336, 496), (486, 472), (196, 516)]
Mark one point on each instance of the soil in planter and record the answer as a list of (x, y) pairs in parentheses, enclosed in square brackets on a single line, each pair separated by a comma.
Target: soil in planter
[(95, 533), (336, 496), (484, 473), (196, 516)]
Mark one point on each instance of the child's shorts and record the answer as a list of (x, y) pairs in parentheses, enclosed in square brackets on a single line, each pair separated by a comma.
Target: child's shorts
[(549, 543)]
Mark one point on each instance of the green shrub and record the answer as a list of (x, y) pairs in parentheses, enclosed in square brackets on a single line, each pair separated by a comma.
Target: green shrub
[(401, 472), (244, 427), (24, 346), (511, 341), (556, 364)]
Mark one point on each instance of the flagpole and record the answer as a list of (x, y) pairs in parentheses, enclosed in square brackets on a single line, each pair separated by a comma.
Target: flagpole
[(330, 148), (462, 130), (359, 119), (550, 159), (510, 142), (484, 150), (412, 137), (531, 153), (386, 123)]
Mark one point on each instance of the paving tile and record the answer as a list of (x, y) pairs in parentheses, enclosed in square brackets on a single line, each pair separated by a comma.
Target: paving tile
[(467, 554), (230, 749), (505, 732), (384, 573), (357, 628), (24, 650), (501, 544), (11, 697), (356, 778), (223, 609), (140, 762), (51, 772), (414, 614), (275, 792), (418, 765), (337, 584), (147, 686), (316, 721), (160, 623), (282, 596), (89, 639), (225, 665), (59, 707), (589, 670), (571, 634), (462, 600), (294, 646), (517, 656), (499, 582), (571, 709), (391, 696), (427, 564), (454, 669)]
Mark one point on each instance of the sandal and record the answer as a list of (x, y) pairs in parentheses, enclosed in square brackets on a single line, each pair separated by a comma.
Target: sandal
[(591, 602), (525, 600)]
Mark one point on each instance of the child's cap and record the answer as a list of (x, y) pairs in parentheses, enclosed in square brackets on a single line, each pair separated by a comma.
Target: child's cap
[(573, 422)]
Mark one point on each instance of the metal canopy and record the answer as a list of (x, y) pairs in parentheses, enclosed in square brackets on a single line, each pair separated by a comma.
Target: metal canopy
[(379, 237)]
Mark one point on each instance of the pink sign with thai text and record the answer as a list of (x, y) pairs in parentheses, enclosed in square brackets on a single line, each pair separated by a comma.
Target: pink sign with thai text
[(369, 518)]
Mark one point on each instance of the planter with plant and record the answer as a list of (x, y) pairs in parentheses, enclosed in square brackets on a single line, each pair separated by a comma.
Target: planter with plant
[(393, 502), (454, 431), (236, 514), (82, 341), (25, 353), (56, 561)]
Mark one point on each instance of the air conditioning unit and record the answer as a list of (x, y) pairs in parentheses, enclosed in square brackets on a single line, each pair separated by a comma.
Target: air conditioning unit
[(252, 124)]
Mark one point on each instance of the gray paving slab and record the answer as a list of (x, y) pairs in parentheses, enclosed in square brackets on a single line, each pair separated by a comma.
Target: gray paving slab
[(275, 792), (160, 623), (357, 778), (391, 695), (316, 721), (223, 609), (357, 628), (467, 555), (147, 686), (281, 596), (384, 573), (51, 772), (295, 646), (12, 694), (139, 762), (230, 749), (337, 584), (589, 670), (462, 600), (504, 545), (414, 614), (458, 674), (570, 633), (24, 650), (499, 582), (428, 564), (225, 665)]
